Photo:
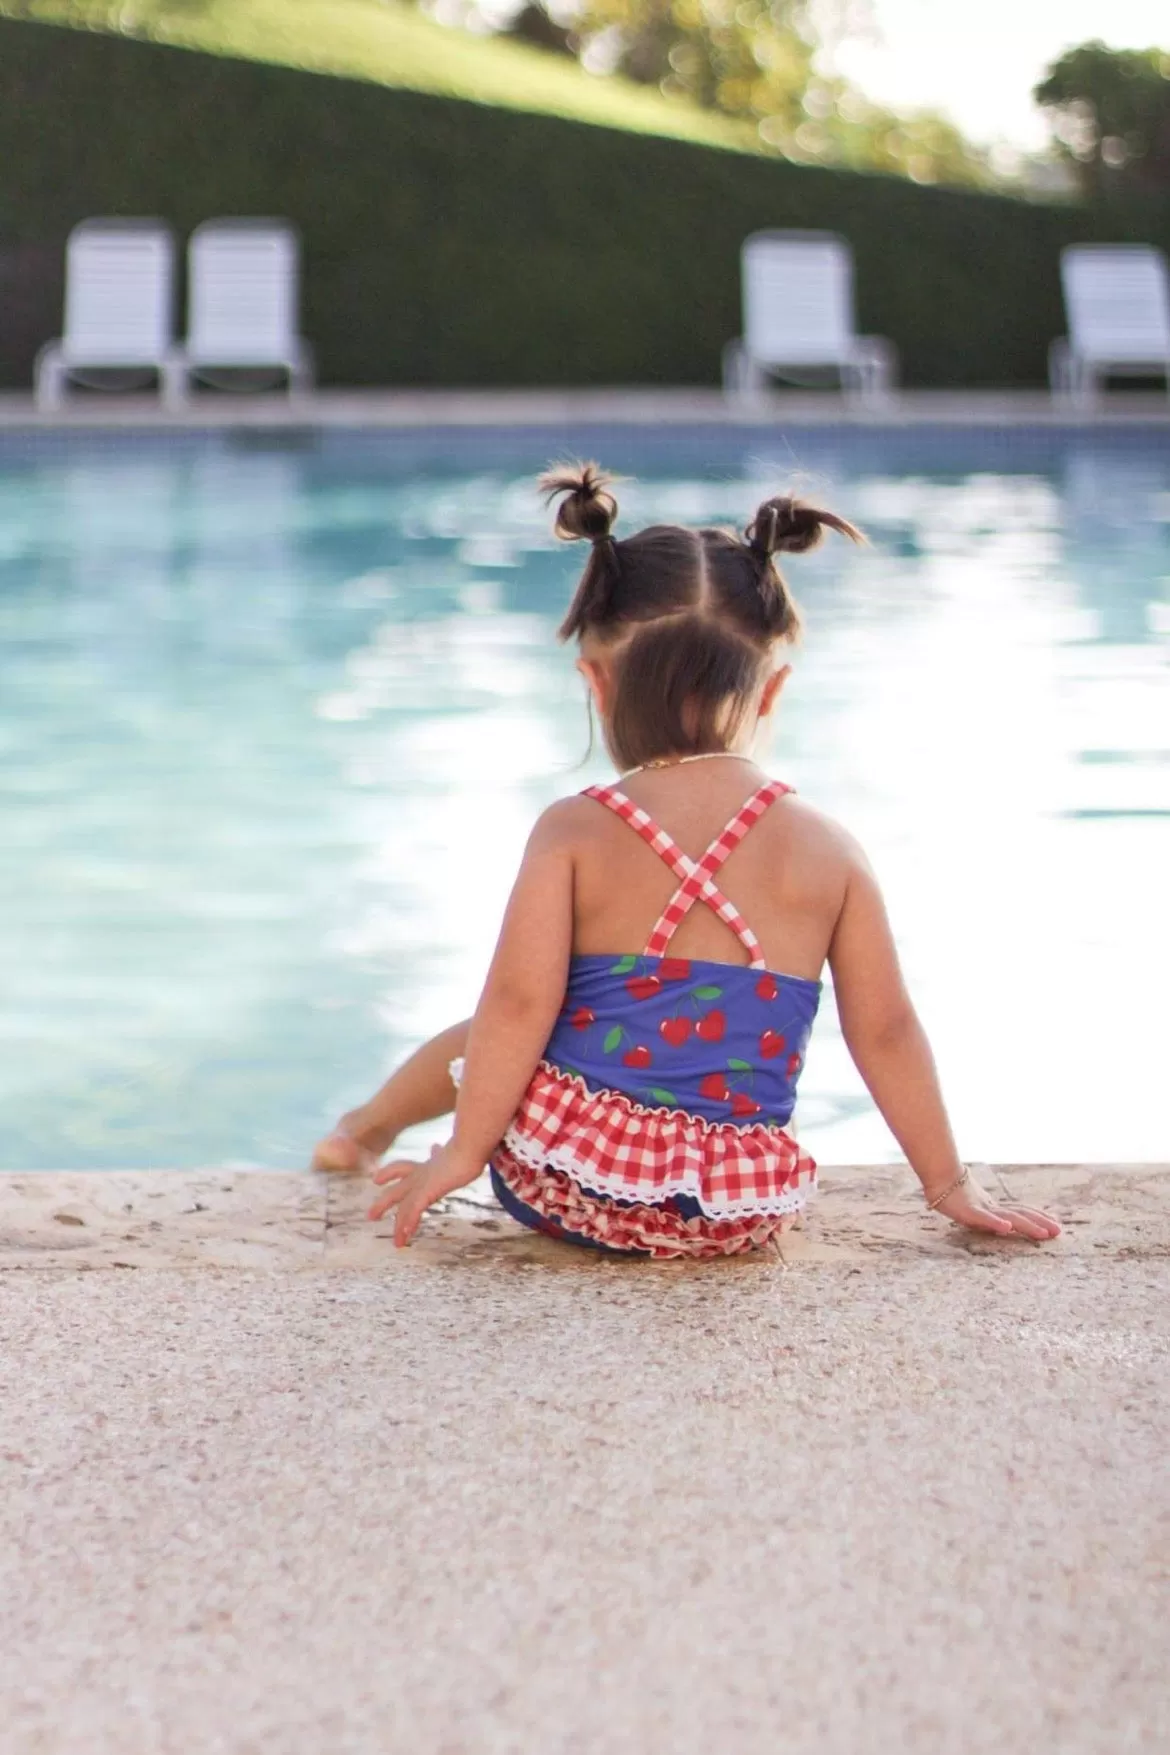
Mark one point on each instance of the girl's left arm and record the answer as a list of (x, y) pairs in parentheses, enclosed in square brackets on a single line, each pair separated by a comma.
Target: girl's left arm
[(522, 996)]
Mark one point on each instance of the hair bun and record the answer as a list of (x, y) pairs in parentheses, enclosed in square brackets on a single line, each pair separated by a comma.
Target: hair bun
[(784, 525), (588, 509)]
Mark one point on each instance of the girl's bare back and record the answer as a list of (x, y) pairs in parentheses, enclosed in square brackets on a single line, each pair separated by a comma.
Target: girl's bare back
[(788, 878)]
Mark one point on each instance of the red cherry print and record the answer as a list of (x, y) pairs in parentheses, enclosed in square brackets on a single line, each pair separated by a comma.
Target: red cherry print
[(767, 987), (639, 1055), (742, 1104), (711, 1026), (793, 1064), (674, 969), (714, 1086), (772, 1044), (643, 986), (675, 1031), (582, 1018)]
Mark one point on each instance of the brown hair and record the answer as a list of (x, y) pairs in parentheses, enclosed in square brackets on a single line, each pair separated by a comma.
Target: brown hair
[(692, 615)]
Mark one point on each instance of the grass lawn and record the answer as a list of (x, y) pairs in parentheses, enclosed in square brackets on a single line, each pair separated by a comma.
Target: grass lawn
[(393, 44)]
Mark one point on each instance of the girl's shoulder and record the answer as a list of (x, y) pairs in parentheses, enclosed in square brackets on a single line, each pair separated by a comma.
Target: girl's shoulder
[(569, 817), (814, 828), (566, 825), (793, 823)]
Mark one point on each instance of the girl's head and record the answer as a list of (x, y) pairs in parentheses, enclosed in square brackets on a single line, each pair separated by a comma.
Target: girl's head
[(681, 631)]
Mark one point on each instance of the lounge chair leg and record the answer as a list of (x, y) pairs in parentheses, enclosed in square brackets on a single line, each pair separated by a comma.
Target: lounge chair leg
[(1083, 385), (49, 378), (300, 379), (860, 382), (874, 367), (742, 377), (1062, 369), (172, 384)]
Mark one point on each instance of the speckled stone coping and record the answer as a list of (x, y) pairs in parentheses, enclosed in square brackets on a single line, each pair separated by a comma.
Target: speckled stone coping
[(493, 1495), (282, 1219), (618, 406)]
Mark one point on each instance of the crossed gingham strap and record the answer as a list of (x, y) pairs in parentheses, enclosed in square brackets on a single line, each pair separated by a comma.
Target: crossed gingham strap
[(696, 875)]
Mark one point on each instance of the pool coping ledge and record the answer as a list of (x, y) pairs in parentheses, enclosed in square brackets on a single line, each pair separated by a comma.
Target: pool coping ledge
[(404, 409), (281, 1219)]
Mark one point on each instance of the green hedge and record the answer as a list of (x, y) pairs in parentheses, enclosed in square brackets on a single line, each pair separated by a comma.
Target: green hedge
[(452, 243)]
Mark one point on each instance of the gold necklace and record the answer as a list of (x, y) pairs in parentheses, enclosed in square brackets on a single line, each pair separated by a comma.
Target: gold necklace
[(678, 761)]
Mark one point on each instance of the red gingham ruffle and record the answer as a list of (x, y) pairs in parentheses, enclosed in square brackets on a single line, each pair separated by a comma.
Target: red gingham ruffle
[(655, 1231), (606, 1142)]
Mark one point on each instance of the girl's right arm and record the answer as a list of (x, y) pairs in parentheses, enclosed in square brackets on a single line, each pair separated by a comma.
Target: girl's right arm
[(524, 991), (889, 1047)]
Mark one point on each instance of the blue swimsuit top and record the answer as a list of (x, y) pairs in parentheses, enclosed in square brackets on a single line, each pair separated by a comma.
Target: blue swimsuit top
[(716, 1040)]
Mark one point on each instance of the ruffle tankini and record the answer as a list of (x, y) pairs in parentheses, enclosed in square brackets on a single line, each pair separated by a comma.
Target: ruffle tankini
[(657, 1120)]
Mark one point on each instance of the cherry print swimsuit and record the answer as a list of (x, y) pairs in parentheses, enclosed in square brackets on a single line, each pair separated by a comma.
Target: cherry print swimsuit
[(656, 1121)]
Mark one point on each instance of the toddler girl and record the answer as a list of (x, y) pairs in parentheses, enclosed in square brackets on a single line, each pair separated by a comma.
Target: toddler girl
[(631, 1069)]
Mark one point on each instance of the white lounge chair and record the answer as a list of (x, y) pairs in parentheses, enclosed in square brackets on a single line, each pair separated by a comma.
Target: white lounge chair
[(242, 280), (119, 308), (1117, 301), (798, 320)]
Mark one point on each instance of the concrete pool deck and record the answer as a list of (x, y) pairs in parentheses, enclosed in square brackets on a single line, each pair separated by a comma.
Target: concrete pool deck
[(271, 1486), (392, 410)]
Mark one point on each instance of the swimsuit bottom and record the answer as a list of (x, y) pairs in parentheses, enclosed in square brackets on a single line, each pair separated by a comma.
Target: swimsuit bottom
[(550, 1201)]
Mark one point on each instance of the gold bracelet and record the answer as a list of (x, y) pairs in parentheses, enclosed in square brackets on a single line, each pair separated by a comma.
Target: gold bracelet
[(947, 1192)]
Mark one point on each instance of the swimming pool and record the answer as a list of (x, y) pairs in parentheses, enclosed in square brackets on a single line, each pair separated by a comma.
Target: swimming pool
[(278, 710)]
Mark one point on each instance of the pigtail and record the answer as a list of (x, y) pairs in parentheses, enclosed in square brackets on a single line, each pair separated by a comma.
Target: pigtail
[(784, 525), (586, 513), (588, 509)]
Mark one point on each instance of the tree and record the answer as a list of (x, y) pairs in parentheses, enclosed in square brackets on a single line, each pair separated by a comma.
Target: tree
[(757, 61), (1110, 114)]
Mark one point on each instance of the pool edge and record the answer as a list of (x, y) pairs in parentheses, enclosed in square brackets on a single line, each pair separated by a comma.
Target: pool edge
[(391, 410), (265, 1220)]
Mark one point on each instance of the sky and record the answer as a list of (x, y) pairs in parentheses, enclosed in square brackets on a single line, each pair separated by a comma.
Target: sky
[(978, 62)]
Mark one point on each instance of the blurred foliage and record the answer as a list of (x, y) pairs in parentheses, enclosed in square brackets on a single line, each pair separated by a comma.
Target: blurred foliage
[(755, 60), (1110, 111), (456, 243)]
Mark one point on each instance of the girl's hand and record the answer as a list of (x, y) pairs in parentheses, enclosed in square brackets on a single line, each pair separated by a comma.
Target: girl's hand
[(971, 1206), (414, 1187)]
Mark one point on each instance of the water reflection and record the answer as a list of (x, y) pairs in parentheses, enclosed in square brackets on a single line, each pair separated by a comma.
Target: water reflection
[(275, 726)]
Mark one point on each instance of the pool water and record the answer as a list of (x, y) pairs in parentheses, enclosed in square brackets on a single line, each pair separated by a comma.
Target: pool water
[(276, 715)]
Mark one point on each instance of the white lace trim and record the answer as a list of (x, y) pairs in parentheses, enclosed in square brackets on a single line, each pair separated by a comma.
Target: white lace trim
[(587, 1176)]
